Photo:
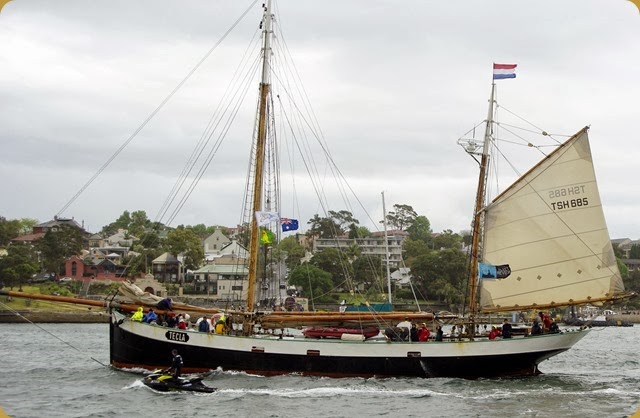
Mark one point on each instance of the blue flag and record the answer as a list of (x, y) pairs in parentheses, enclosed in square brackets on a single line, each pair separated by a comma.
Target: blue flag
[(289, 224), (489, 271)]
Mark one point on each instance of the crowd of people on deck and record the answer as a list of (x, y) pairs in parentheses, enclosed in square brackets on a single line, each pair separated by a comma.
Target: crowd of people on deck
[(404, 331), (217, 323), (408, 331)]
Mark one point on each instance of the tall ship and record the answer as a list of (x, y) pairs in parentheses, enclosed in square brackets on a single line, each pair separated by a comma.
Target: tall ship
[(541, 244)]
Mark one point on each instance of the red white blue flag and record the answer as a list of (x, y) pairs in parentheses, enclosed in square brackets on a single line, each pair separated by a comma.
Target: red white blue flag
[(289, 224), (501, 71)]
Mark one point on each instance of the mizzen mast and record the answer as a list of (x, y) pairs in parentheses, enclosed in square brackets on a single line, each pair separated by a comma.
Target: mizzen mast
[(478, 214)]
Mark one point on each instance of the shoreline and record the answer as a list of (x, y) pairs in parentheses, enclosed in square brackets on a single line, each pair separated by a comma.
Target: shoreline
[(53, 317)]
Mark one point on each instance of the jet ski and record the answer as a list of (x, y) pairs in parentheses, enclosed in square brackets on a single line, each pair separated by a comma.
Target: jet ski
[(162, 381)]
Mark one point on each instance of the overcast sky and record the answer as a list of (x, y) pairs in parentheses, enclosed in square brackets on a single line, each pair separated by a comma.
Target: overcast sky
[(393, 84)]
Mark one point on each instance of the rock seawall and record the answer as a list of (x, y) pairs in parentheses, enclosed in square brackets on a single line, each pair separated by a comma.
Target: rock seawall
[(50, 317)]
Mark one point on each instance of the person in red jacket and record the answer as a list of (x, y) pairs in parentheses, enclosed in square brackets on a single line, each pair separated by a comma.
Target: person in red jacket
[(495, 332), (424, 333)]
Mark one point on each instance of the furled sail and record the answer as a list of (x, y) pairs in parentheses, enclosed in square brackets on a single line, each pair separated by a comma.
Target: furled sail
[(550, 229)]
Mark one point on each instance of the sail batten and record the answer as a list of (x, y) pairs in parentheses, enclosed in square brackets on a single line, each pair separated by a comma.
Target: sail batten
[(549, 227)]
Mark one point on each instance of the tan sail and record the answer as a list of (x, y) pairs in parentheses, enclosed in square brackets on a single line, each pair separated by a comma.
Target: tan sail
[(549, 227)]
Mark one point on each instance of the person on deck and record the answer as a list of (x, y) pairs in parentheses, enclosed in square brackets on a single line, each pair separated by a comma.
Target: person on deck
[(414, 333), (536, 329), (546, 321), (172, 322), (203, 325), (439, 333), (553, 327), (494, 333), (221, 325), (506, 329), (164, 304), (138, 315), (176, 365), (150, 317), (182, 324), (424, 333)]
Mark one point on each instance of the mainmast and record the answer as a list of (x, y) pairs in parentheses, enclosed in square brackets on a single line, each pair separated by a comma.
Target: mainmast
[(478, 214), (386, 246), (261, 139)]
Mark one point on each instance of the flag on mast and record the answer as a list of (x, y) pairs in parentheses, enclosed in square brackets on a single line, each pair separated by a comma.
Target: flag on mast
[(501, 71), (289, 224), (265, 218)]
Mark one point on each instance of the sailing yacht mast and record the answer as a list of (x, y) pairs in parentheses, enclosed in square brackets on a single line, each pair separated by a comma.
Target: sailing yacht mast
[(386, 247), (478, 215), (265, 88)]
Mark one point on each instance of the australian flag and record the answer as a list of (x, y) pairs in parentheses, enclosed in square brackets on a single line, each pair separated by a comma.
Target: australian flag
[(289, 224)]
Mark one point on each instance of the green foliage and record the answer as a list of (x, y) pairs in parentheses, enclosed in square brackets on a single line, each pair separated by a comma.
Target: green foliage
[(334, 225), (291, 251), (441, 275), (185, 241), (402, 217), (414, 248), (447, 239), (202, 230), (634, 253), (17, 267), (135, 223), (9, 229), (335, 263), (420, 229), (314, 281), (363, 232), (58, 245), (368, 270)]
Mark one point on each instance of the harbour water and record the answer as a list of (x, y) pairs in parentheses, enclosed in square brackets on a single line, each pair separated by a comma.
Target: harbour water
[(61, 370)]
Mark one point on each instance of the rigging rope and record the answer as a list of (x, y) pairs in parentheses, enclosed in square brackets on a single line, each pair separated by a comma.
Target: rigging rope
[(155, 111)]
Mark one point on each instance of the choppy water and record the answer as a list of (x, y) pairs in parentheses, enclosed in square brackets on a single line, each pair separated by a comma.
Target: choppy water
[(43, 376)]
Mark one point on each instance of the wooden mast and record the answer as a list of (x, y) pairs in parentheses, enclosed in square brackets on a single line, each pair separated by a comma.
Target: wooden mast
[(386, 247), (478, 214), (259, 161)]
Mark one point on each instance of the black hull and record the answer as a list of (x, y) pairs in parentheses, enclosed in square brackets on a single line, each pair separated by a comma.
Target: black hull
[(129, 350)]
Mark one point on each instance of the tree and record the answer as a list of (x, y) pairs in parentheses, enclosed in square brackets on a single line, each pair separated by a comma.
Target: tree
[(315, 281), (122, 222), (442, 275), (139, 223), (20, 263), (401, 217), (334, 262), (323, 227), (420, 229), (58, 245), (634, 253), (363, 232), (186, 242), (292, 251), (368, 270), (413, 248), (447, 239), (26, 225), (9, 229), (334, 225)]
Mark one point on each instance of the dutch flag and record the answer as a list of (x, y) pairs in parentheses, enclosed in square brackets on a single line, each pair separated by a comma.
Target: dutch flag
[(501, 71)]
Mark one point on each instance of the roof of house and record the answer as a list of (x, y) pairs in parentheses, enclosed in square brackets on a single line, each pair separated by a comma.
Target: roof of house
[(224, 269), (166, 258), (29, 237)]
